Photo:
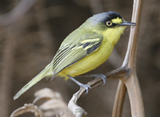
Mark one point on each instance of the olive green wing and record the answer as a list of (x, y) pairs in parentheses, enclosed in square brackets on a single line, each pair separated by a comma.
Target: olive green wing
[(70, 53)]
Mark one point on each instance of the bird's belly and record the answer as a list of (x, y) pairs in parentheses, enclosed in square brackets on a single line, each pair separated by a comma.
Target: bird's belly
[(90, 62)]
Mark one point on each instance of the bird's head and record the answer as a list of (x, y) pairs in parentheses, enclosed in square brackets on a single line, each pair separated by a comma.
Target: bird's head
[(109, 24), (109, 19)]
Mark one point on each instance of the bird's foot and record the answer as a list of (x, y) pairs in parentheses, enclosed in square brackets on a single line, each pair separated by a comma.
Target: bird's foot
[(100, 76), (87, 87)]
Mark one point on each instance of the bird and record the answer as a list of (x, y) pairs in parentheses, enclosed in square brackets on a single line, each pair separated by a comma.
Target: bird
[(83, 50)]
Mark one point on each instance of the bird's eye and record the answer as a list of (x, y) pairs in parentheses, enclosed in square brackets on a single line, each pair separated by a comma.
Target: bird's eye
[(109, 23)]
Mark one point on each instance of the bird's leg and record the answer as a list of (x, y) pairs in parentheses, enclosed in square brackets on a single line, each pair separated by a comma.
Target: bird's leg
[(87, 87), (100, 76)]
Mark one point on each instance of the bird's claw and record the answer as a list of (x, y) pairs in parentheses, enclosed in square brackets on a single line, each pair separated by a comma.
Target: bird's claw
[(87, 87), (100, 76)]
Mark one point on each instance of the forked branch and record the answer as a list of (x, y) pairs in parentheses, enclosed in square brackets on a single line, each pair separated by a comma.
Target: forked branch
[(126, 73), (132, 84), (115, 74)]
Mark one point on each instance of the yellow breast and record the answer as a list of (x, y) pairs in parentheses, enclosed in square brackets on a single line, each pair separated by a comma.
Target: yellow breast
[(95, 59), (90, 62)]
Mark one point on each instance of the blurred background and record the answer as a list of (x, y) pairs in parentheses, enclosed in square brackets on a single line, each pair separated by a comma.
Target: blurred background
[(31, 32)]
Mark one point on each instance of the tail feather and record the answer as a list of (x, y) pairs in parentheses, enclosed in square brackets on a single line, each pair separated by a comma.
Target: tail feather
[(46, 72)]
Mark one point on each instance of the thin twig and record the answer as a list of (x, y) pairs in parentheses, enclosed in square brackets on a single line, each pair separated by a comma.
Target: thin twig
[(119, 100)]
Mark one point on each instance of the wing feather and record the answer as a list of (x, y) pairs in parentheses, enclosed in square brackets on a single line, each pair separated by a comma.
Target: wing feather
[(68, 54)]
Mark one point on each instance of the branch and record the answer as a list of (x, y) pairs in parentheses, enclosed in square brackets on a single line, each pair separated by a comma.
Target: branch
[(115, 74), (131, 83), (119, 100)]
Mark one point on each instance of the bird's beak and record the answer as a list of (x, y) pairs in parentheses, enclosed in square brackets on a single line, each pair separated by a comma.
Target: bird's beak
[(125, 23)]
